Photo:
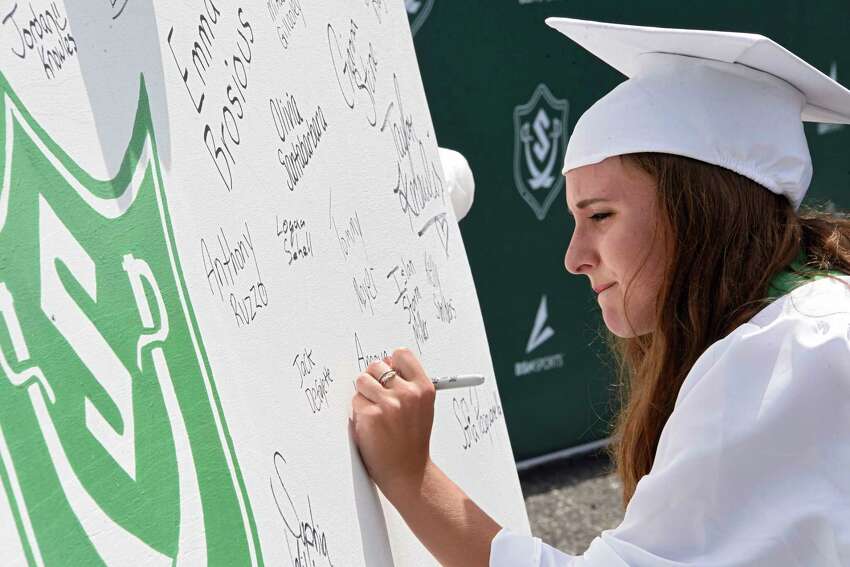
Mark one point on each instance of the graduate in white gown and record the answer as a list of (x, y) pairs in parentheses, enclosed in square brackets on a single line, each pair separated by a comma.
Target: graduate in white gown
[(731, 312)]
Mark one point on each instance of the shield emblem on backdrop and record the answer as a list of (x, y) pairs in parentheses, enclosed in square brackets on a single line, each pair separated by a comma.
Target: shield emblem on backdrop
[(540, 140), (417, 12), (113, 445)]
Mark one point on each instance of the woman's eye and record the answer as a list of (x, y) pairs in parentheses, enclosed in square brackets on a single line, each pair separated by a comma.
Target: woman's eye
[(600, 216)]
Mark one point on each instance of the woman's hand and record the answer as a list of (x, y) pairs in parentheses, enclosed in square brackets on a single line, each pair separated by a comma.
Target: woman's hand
[(392, 422), (392, 428)]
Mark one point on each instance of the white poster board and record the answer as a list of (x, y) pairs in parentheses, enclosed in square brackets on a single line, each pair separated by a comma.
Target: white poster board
[(212, 217)]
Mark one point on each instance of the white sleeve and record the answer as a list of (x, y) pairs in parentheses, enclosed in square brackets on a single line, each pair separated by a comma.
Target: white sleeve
[(752, 466), (513, 550)]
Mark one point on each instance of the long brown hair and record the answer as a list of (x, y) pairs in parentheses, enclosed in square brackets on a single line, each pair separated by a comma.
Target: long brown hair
[(728, 237)]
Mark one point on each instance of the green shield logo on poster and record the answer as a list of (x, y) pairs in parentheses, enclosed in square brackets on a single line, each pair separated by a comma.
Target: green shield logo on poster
[(113, 445), (540, 140)]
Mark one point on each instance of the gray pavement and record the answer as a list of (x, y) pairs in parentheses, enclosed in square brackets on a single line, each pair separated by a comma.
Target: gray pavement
[(572, 501)]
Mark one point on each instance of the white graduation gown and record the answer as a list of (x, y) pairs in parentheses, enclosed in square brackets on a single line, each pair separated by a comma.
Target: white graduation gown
[(753, 466)]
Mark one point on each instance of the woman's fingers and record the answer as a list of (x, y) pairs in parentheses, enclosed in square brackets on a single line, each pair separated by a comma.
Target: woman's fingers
[(369, 388), (360, 404), (379, 369), (407, 364)]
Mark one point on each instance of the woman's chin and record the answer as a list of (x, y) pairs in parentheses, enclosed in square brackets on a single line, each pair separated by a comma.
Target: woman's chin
[(617, 324), (621, 332)]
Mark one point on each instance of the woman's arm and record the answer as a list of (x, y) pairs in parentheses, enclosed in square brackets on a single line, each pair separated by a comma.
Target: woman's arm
[(391, 425), (453, 528)]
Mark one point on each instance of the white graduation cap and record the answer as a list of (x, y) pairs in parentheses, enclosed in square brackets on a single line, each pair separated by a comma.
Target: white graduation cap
[(736, 100)]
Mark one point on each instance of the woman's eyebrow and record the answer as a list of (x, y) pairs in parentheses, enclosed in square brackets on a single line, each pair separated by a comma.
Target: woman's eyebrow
[(587, 202)]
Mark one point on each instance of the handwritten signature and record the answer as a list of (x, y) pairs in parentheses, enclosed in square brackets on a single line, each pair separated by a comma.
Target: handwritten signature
[(475, 421), (308, 537), (419, 181), (355, 73), (409, 297)]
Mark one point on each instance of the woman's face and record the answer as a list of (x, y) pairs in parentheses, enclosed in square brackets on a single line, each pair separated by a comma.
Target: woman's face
[(617, 242)]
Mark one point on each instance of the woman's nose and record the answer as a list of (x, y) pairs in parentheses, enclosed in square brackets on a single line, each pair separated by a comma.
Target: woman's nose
[(579, 257)]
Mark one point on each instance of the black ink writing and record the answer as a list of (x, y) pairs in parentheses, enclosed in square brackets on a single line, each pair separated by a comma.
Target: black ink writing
[(297, 241), (303, 361), (366, 290), (379, 6), (44, 33), (310, 541), (285, 15), (475, 421), (285, 114), (349, 233), (201, 55), (419, 180), (355, 75), (221, 133), (224, 267), (444, 306), (364, 359), (316, 387), (409, 298), (118, 8), (317, 390), (295, 155), (440, 224)]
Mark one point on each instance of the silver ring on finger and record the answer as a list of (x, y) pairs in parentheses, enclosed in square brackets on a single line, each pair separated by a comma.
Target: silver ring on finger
[(386, 377)]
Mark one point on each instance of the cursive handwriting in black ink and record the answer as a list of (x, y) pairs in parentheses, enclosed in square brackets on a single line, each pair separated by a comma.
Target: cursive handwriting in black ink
[(226, 270), (409, 297), (303, 361), (285, 114), (419, 179), (445, 308), (310, 541), (295, 155), (296, 238), (44, 33), (355, 75), (285, 15), (350, 235), (221, 133), (475, 421), (364, 359), (366, 290), (316, 387)]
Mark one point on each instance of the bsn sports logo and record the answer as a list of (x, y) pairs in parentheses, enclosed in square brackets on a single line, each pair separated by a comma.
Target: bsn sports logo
[(417, 12), (540, 139), (540, 333)]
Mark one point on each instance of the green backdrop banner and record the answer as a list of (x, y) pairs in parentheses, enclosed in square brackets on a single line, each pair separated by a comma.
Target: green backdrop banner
[(506, 91)]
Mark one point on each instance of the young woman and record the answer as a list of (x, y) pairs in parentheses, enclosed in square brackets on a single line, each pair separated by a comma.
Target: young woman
[(731, 313)]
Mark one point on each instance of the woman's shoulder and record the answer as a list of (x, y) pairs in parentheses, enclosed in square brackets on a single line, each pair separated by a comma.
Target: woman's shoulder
[(804, 335), (756, 444), (783, 377), (827, 297), (813, 312)]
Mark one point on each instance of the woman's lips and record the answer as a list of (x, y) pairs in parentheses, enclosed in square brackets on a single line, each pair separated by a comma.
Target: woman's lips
[(603, 287)]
